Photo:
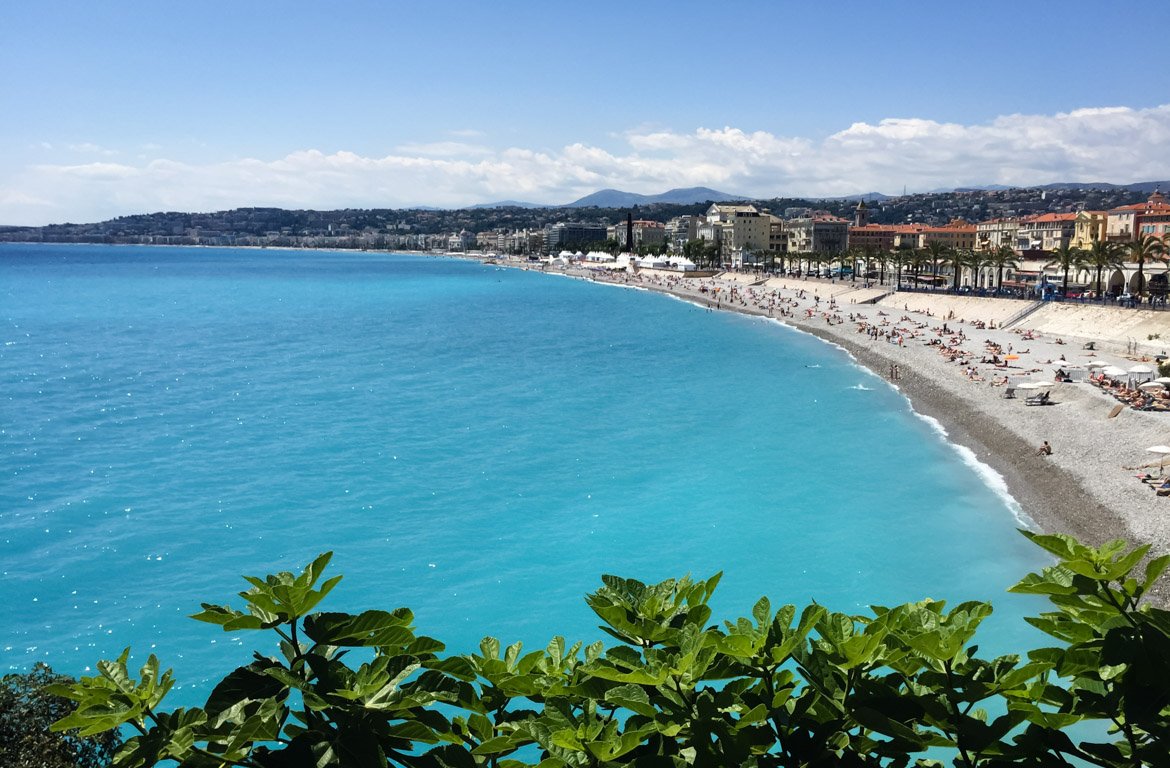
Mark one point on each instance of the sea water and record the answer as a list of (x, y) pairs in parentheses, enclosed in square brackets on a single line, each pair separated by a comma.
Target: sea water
[(477, 443)]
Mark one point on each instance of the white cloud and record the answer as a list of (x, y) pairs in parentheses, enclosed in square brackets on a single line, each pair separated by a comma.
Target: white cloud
[(444, 149), (89, 148), (1117, 144)]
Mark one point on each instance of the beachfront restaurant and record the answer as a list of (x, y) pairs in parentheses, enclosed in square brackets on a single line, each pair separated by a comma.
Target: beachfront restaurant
[(1023, 282)]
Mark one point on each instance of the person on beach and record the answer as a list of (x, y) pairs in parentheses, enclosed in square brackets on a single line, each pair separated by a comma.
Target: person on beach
[(1044, 450)]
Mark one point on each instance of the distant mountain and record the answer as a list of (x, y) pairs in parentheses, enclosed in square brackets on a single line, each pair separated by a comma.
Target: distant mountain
[(1080, 186), (1140, 186), (868, 197), (615, 198), (988, 188), (507, 204)]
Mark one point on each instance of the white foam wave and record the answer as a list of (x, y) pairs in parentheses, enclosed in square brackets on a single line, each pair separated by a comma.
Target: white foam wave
[(685, 300), (992, 479), (862, 387), (989, 476)]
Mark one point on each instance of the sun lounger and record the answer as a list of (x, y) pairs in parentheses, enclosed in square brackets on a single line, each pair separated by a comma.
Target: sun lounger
[(1038, 399)]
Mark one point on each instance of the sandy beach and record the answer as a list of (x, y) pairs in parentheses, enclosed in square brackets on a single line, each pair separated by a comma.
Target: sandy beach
[(933, 348)]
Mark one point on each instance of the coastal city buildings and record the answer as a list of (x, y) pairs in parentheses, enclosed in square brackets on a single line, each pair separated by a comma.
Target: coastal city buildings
[(1005, 240), (1148, 218)]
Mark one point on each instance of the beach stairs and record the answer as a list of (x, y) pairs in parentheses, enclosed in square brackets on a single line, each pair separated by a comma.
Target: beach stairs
[(1015, 319)]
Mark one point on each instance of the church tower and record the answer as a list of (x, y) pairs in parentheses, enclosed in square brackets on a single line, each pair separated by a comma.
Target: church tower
[(861, 217)]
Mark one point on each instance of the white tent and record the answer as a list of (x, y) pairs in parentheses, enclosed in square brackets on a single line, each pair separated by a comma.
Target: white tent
[(682, 264)]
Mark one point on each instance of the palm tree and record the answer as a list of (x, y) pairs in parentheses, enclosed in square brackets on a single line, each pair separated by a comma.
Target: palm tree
[(882, 258), (937, 253), (1103, 255), (1066, 257), (980, 264), (1140, 250), (916, 260), (817, 261), (1003, 257), (868, 254), (963, 259)]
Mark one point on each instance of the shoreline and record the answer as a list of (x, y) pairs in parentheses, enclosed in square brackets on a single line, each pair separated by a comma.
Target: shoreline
[(1082, 490)]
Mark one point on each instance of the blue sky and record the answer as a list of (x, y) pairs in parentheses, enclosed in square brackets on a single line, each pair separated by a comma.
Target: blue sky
[(119, 107)]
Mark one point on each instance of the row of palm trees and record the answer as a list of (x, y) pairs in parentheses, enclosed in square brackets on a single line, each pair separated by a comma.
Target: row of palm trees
[(936, 256), (1105, 255)]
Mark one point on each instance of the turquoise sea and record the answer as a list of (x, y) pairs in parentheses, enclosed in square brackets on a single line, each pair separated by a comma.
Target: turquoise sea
[(477, 443)]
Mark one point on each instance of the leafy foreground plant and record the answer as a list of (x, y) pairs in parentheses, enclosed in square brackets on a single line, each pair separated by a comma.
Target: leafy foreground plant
[(781, 688)]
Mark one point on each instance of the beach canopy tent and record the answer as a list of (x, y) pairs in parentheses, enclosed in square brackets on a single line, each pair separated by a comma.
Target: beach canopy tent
[(1140, 370), (600, 257), (682, 263), (1112, 371)]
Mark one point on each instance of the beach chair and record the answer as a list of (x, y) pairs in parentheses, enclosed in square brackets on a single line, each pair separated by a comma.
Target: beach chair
[(1038, 399), (1009, 392)]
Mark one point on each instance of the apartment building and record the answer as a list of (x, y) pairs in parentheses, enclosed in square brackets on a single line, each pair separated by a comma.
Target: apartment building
[(1046, 232), (746, 231), (872, 238), (993, 234), (564, 234), (818, 233), (644, 232), (959, 235), (681, 230), (1124, 223)]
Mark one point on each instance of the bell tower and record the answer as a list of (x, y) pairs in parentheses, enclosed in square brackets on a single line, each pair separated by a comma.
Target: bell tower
[(861, 216)]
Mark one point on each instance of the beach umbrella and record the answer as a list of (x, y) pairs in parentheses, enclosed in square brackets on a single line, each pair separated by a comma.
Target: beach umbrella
[(1097, 364), (1141, 369), (1163, 379), (1113, 371), (1151, 385), (1029, 385), (1164, 449)]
